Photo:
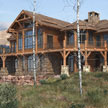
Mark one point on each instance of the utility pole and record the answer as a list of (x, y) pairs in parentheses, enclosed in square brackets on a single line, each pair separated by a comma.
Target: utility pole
[(79, 52), (34, 41)]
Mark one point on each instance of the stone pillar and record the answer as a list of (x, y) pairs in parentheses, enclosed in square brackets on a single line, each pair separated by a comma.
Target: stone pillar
[(105, 68), (86, 68), (65, 70), (19, 70), (4, 70)]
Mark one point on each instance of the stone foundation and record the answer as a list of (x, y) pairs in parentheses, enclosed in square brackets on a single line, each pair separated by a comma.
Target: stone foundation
[(3, 72), (18, 80), (86, 68), (65, 70), (105, 68)]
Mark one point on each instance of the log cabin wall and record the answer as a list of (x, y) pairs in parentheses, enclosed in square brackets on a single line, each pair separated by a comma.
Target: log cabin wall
[(54, 42)]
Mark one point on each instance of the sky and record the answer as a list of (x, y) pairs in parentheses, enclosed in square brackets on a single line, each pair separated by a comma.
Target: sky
[(60, 9)]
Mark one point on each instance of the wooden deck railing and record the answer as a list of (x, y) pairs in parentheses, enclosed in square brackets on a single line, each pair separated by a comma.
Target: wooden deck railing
[(98, 45), (7, 50)]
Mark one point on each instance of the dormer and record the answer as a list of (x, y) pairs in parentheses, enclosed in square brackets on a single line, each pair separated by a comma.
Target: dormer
[(93, 17)]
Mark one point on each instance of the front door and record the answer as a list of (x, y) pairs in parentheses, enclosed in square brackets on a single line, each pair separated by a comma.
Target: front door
[(71, 63), (49, 41)]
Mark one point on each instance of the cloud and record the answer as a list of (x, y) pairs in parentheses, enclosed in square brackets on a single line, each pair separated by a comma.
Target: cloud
[(4, 25)]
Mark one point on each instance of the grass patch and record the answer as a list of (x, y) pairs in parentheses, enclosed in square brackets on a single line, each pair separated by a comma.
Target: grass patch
[(57, 93)]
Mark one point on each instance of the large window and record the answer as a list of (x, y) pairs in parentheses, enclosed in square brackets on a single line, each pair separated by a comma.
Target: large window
[(20, 41), (82, 36), (30, 63), (90, 39), (28, 24), (98, 41), (40, 38), (13, 46), (49, 41), (70, 38), (106, 38), (28, 39)]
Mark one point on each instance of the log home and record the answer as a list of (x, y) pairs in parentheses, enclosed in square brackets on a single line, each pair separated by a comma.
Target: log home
[(56, 45)]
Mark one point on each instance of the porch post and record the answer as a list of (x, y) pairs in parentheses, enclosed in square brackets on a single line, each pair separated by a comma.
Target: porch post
[(4, 70), (105, 60), (86, 67), (64, 67), (105, 67)]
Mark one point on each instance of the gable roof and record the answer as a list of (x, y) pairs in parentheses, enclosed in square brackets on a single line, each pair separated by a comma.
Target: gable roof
[(43, 20), (102, 26), (82, 24)]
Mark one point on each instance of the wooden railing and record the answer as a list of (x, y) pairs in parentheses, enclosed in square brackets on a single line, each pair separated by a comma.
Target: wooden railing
[(89, 45), (7, 50), (57, 46)]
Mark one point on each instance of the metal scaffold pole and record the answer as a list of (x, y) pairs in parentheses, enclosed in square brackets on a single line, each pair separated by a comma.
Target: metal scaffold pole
[(34, 55), (79, 52)]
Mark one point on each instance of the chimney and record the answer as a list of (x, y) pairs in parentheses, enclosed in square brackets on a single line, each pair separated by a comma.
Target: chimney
[(93, 17)]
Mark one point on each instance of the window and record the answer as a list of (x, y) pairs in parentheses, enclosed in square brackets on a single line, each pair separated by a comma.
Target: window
[(40, 38), (98, 41), (28, 24), (13, 46), (106, 38), (28, 39), (30, 63), (20, 41), (49, 41), (90, 39), (16, 63), (82, 36), (70, 38)]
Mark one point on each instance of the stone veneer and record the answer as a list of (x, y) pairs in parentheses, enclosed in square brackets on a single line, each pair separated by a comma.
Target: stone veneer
[(48, 65)]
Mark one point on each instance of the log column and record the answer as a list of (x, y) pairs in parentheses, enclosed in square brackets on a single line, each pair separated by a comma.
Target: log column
[(4, 70), (64, 67), (104, 54)]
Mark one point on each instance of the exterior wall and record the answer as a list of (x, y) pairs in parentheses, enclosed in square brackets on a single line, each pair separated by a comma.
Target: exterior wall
[(50, 64)]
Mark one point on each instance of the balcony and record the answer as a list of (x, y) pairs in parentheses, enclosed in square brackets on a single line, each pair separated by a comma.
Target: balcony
[(91, 45), (7, 50)]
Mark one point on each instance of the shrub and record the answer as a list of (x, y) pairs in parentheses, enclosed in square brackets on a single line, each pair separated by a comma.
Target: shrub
[(77, 106), (84, 83), (94, 97), (43, 82), (63, 76), (105, 92), (98, 75), (8, 96)]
